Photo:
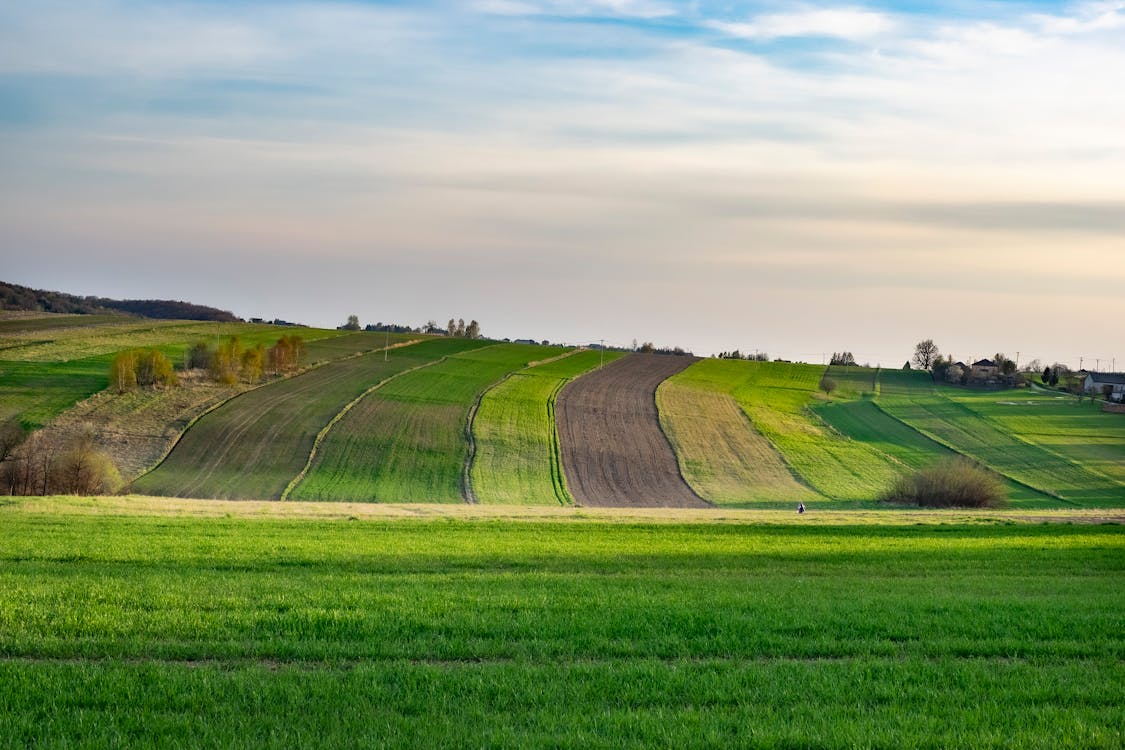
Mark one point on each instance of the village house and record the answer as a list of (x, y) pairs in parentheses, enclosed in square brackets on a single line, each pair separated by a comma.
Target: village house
[(1100, 382), (984, 371)]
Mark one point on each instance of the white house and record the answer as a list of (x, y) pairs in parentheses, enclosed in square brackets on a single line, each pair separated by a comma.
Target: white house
[(1096, 382)]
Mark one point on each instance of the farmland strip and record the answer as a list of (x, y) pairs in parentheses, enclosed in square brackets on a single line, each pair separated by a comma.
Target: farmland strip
[(614, 450), (406, 441), (258, 442), (516, 456)]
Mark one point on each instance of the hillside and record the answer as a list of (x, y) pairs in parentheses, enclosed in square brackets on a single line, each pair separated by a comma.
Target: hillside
[(16, 297), (442, 419)]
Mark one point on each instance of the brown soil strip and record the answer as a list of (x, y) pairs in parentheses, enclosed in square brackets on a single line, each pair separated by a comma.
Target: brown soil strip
[(614, 452)]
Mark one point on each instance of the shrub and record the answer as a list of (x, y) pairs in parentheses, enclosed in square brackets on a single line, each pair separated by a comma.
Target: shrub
[(957, 483)]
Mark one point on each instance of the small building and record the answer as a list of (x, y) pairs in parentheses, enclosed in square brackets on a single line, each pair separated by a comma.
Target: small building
[(1111, 384), (985, 370)]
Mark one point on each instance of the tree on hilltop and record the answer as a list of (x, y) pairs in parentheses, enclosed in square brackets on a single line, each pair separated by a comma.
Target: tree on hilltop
[(926, 354)]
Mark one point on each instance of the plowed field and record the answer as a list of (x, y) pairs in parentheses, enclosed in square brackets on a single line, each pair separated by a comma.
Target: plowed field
[(613, 449)]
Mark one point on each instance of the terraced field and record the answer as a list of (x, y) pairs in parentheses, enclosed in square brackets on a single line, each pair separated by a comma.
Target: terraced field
[(722, 456), (516, 460), (946, 415), (407, 441), (613, 449), (255, 444)]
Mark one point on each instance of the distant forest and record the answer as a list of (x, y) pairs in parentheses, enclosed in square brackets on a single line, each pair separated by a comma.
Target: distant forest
[(16, 297)]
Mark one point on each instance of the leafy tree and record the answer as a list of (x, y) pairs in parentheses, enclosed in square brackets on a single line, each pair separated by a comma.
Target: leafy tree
[(252, 362), (227, 361), (925, 354), (842, 359), (82, 469), (352, 324), (460, 331), (155, 369), (827, 385), (12, 434), (1047, 374), (473, 330), (1007, 366), (907, 365), (199, 356), (285, 355), (123, 372)]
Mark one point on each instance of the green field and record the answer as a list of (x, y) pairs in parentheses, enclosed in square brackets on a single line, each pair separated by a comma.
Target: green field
[(246, 631), (516, 458), (722, 456), (777, 396), (255, 444), (407, 441), (987, 426)]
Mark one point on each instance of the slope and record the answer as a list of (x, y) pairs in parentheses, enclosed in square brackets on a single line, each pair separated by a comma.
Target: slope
[(253, 445), (516, 459), (722, 456), (613, 449), (407, 441)]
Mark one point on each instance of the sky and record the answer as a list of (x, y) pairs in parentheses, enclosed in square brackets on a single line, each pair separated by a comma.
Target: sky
[(791, 178)]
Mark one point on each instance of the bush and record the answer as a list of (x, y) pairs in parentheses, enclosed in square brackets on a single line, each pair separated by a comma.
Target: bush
[(957, 483)]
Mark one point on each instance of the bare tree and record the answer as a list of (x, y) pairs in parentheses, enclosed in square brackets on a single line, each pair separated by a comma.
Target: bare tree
[(925, 354)]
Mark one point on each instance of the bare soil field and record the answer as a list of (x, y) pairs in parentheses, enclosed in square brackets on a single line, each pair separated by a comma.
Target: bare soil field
[(614, 452)]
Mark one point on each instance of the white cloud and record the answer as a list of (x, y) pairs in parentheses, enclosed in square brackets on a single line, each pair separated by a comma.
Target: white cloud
[(857, 24), (577, 8)]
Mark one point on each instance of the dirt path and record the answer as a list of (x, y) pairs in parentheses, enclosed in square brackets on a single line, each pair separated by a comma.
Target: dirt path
[(613, 450)]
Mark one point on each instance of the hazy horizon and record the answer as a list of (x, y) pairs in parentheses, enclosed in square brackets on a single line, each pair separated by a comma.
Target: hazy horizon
[(791, 178)]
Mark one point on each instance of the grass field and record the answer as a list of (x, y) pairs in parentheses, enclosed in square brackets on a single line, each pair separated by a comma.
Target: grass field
[(407, 441), (960, 419), (253, 445), (722, 456), (148, 631), (776, 396), (516, 459), (1074, 430)]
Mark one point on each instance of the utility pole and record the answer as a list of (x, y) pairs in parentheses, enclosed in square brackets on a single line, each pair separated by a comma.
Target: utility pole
[(387, 344), (601, 351)]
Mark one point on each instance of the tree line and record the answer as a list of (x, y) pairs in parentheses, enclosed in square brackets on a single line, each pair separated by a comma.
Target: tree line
[(228, 362)]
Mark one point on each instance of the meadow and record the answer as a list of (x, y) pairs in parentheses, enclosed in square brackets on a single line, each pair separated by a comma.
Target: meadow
[(516, 457), (408, 441), (239, 630)]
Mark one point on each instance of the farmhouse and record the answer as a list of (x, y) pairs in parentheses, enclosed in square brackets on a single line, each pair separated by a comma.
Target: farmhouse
[(1111, 384), (984, 370)]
